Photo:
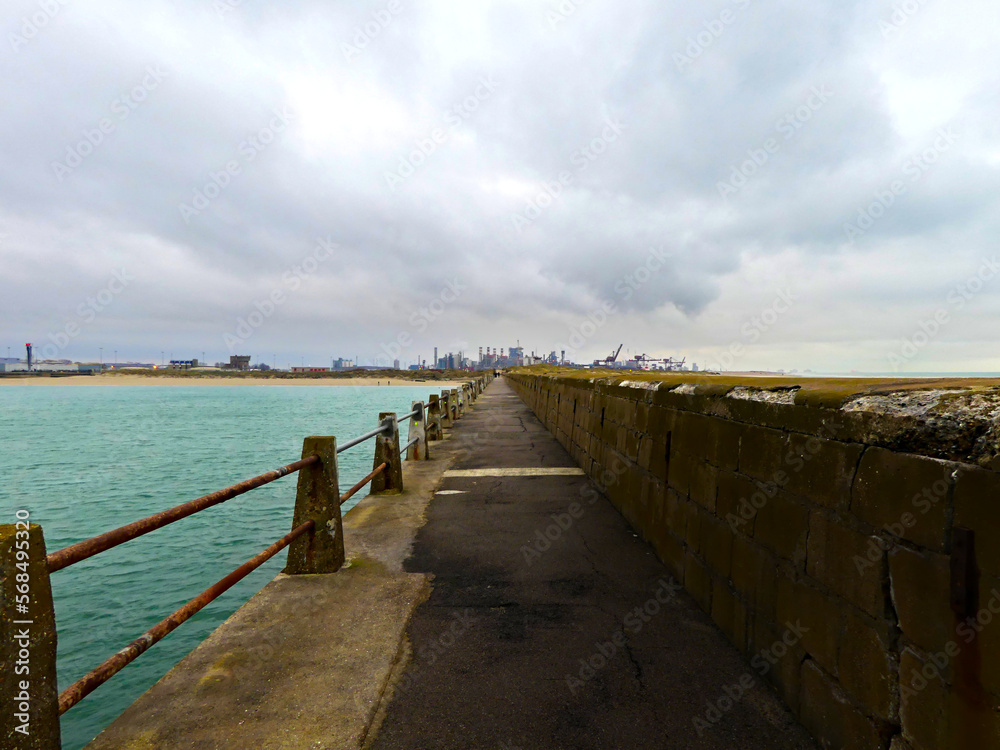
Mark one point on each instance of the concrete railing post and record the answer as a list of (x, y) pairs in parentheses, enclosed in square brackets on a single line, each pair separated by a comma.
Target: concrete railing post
[(453, 402), (446, 413), (418, 431), (390, 481), (317, 499), (434, 419), (28, 688)]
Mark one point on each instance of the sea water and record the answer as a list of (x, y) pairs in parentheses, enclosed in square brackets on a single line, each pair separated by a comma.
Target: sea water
[(86, 459)]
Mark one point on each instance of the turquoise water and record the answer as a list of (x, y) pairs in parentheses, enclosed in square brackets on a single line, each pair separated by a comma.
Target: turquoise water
[(86, 459)]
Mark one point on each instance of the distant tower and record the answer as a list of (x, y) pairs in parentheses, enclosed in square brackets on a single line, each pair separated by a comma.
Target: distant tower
[(435, 363), (480, 355), (562, 357), (28, 347)]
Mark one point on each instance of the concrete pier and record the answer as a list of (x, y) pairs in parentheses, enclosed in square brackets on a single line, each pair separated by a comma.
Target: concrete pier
[(499, 602)]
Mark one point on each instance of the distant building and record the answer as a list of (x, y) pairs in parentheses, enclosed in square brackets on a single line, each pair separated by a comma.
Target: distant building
[(183, 364), (310, 369), (238, 362)]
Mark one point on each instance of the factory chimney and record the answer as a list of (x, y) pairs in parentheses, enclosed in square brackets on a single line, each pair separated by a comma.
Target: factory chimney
[(28, 347)]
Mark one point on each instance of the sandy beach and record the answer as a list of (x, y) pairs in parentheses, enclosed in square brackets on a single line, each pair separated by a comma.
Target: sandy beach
[(113, 380)]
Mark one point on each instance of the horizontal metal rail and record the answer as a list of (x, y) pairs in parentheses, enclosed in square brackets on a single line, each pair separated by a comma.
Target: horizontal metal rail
[(408, 416), (412, 442), (351, 492), (89, 547), (111, 666), (362, 438)]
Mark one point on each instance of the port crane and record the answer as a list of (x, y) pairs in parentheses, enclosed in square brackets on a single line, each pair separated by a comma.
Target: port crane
[(610, 360)]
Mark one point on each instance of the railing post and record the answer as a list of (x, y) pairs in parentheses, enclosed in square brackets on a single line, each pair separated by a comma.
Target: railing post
[(390, 481), (434, 418), (467, 391), (453, 402), (29, 693), (317, 499), (418, 429), (446, 414)]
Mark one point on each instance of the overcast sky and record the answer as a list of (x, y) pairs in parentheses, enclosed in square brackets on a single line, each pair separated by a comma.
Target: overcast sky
[(782, 184)]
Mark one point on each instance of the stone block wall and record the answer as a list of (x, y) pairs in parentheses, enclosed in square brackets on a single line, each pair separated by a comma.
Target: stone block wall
[(780, 517)]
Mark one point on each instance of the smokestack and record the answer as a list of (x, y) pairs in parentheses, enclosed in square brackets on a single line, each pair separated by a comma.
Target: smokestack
[(435, 363), (480, 355), (28, 347)]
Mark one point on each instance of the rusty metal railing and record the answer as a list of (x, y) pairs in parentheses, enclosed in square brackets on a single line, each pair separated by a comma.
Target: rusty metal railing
[(110, 667), (102, 542), (315, 543), (369, 477)]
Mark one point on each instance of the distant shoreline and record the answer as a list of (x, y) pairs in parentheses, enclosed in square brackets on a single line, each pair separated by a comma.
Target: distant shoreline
[(113, 379)]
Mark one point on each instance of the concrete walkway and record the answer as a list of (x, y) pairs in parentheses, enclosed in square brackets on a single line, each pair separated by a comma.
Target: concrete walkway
[(549, 624)]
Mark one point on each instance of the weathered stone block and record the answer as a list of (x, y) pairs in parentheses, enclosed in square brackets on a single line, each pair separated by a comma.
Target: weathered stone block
[(690, 434), (905, 494), (697, 581), (755, 575), (716, 545), (723, 444), (850, 563), (977, 507), (782, 526), (703, 483), (829, 715), (920, 590), (923, 709), (732, 501), (775, 656), (822, 618), (868, 667), (821, 470), (679, 472), (762, 453)]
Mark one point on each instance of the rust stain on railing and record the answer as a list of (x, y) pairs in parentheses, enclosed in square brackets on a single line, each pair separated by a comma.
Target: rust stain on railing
[(89, 547)]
